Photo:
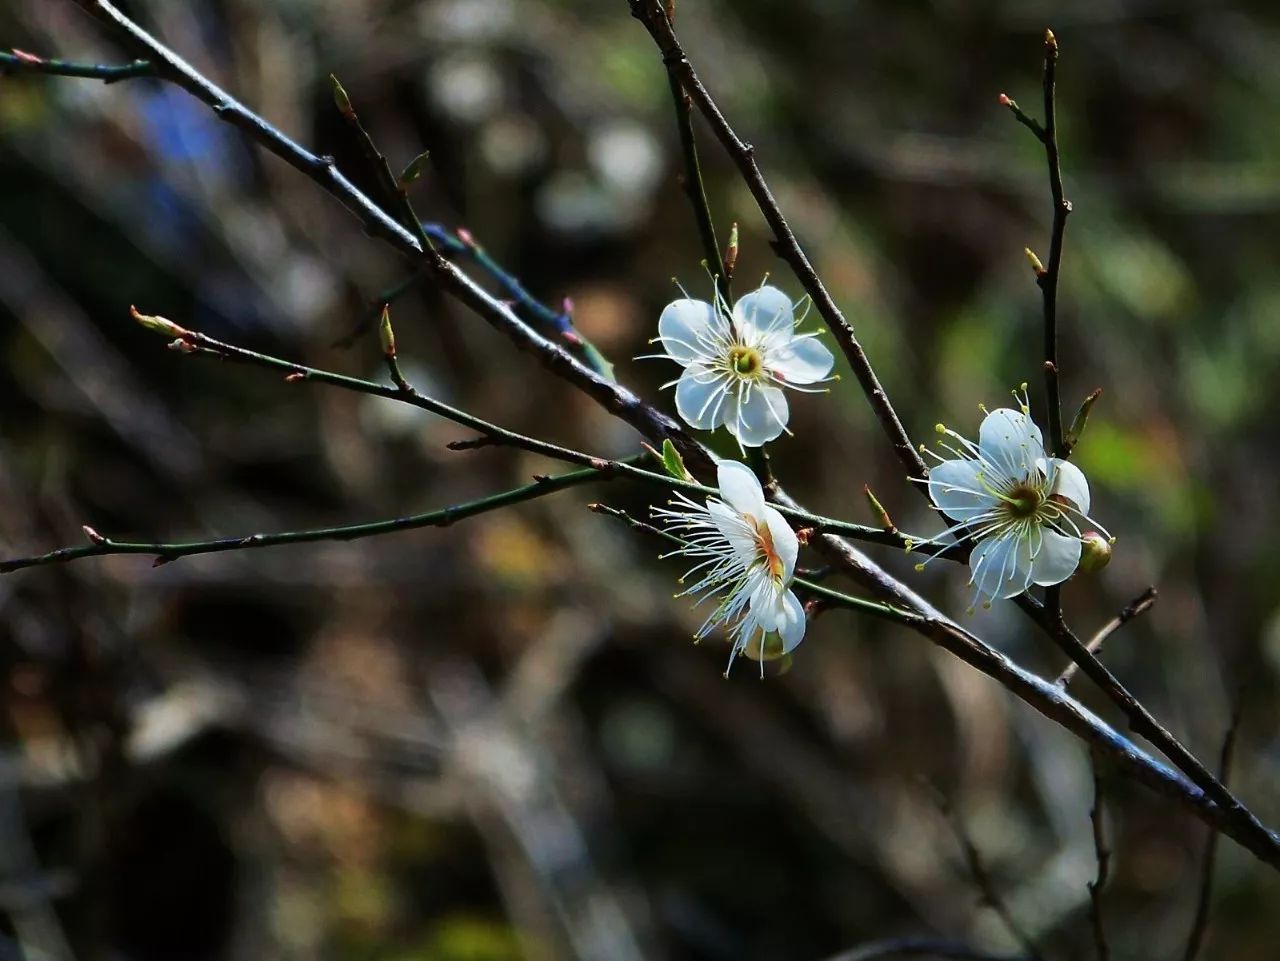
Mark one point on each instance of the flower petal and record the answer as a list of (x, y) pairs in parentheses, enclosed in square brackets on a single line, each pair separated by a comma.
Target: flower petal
[(761, 419), (1069, 482), (737, 530), (767, 605), (763, 314), (1011, 441), (1001, 566), (801, 361), (956, 490), (697, 401), (785, 543), (791, 623), (740, 489), (1057, 559), (683, 327)]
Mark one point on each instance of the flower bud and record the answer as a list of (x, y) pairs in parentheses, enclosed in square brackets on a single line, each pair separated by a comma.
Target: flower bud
[(386, 335), (160, 325), (341, 100), (1095, 553), (766, 647)]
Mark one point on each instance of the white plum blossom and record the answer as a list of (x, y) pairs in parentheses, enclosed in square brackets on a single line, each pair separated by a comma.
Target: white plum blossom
[(746, 554), (737, 362), (1023, 509)]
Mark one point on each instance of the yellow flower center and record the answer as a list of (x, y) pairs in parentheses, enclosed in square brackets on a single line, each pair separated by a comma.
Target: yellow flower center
[(745, 361), (1023, 501)]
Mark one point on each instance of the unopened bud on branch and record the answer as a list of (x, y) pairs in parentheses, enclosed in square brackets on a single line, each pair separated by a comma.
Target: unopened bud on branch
[(731, 252), (877, 509), (1034, 261), (1095, 553), (159, 325), (341, 100), (93, 535), (386, 335), (1081, 420)]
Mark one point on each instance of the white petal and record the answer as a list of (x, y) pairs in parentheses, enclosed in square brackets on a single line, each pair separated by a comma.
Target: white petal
[(763, 313), (740, 489), (785, 543), (697, 400), (956, 490), (1069, 482), (767, 605), (805, 361), (761, 419), (682, 325), (791, 623), (1001, 566), (734, 528), (1011, 441), (1057, 559)]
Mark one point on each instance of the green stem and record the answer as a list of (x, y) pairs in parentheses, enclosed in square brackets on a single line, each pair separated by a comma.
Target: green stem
[(108, 73), (166, 552), (694, 187), (203, 345)]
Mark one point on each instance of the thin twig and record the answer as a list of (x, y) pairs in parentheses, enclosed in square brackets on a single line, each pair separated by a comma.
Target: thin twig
[(1047, 276), (982, 879), (1102, 856), (165, 552), (547, 320), (19, 61), (373, 308), (1200, 925), (1049, 279), (694, 188), (396, 197), (1140, 604), (921, 947), (654, 18)]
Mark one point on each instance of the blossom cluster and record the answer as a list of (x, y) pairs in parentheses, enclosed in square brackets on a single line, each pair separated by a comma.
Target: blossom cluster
[(1023, 512)]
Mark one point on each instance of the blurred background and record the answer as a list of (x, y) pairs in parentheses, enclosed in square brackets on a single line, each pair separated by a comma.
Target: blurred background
[(496, 741)]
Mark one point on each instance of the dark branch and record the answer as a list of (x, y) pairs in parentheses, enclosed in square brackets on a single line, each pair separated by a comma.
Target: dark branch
[(985, 884), (1200, 925), (1102, 856), (652, 15), (921, 947), (1143, 723), (1143, 602)]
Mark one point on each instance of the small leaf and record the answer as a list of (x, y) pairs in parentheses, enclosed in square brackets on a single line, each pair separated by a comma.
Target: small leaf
[(341, 100), (673, 462), (1081, 420), (415, 168)]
